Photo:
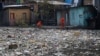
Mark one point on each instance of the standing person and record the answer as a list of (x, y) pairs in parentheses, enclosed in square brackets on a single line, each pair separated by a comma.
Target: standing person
[(39, 24), (62, 22)]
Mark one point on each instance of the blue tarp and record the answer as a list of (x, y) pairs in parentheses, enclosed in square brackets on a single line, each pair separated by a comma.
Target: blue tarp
[(69, 1)]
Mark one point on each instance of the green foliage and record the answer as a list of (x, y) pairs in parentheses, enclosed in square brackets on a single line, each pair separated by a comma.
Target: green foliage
[(36, 13), (45, 7)]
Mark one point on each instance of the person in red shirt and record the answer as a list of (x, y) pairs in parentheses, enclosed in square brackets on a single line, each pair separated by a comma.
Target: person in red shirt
[(62, 22), (39, 24)]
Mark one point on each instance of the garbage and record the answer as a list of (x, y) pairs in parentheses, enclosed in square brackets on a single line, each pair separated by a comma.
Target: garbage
[(8, 43), (59, 54), (10, 36), (18, 53), (13, 46), (76, 33), (27, 53), (48, 42)]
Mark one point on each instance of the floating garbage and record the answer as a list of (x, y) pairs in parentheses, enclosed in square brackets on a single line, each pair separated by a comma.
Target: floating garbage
[(18, 53), (48, 42), (13, 46), (10, 36)]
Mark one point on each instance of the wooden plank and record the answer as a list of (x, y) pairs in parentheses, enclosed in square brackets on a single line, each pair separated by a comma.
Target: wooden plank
[(88, 2)]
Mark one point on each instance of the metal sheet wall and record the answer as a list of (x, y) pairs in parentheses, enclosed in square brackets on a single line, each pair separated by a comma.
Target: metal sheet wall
[(97, 4), (78, 16)]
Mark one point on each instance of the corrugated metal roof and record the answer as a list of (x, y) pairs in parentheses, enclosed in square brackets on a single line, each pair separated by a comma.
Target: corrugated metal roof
[(58, 3), (7, 6), (53, 2)]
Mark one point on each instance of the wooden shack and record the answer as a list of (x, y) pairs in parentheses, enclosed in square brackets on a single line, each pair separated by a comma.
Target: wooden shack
[(13, 13)]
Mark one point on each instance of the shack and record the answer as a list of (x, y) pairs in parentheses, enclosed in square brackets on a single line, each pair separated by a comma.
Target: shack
[(82, 16), (12, 14)]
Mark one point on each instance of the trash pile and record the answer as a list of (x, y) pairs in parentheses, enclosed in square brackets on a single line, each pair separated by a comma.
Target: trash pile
[(48, 42)]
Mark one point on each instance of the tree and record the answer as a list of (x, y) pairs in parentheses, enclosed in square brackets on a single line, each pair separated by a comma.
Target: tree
[(44, 8)]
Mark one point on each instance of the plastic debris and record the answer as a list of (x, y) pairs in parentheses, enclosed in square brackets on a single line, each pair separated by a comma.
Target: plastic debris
[(13, 46), (48, 42)]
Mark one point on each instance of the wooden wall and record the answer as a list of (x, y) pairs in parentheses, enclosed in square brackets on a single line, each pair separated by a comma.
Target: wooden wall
[(88, 2), (18, 15)]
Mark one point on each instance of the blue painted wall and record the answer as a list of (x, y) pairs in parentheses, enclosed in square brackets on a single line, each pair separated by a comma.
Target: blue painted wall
[(78, 16), (69, 1)]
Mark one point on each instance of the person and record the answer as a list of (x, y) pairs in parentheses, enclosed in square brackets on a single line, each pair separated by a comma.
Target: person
[(62, 22), (39, 24)]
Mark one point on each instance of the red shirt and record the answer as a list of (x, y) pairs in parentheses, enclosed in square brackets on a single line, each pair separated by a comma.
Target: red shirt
[(39, 23), (62, 20)]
